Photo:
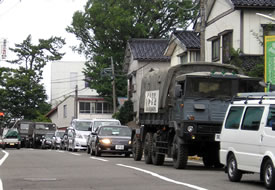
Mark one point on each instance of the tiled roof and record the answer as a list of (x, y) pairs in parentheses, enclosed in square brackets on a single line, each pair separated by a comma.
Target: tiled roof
[(254, 3), (189, 38), (149, 49)]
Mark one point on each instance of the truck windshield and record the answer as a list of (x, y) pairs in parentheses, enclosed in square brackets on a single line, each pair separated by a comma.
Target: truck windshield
[(208, 87), (24, 126), (82, 125)]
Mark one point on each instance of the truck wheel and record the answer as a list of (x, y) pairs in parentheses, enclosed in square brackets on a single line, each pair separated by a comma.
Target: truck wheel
[(18, 146), (179, 154), (3, 146), (269, 175), (148, 148), (137, 149), (233, 173), (157, 159)]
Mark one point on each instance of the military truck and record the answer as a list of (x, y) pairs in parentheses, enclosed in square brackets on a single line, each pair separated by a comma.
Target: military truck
[(181, 111), (40, 129), (25, 129)]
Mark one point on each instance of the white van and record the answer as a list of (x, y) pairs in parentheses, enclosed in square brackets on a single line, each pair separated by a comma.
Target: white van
[(248, 137), (78, 133)]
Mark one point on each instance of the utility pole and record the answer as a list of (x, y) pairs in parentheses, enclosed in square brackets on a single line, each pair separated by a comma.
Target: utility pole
[(202, 30), (114, 85), (76, 102)]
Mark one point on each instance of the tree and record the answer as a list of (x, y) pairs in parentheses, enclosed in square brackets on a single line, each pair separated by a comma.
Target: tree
[(105, 26), (23, 96)]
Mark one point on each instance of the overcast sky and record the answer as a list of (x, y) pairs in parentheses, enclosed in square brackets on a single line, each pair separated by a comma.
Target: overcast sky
[(42, 19)]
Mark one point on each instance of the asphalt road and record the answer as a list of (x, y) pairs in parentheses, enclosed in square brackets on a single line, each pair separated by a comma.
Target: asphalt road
[(36, 169)]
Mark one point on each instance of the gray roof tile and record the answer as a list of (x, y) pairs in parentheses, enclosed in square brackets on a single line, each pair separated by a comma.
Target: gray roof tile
[(254, 3), (149, 49), (190, 39)]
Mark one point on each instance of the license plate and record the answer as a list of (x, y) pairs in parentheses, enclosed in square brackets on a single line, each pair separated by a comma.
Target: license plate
[(217, 137), (11, 144), (119, 147)]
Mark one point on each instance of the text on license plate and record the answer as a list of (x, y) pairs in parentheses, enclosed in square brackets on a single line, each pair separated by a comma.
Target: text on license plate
[(11, 144), (119, 147)]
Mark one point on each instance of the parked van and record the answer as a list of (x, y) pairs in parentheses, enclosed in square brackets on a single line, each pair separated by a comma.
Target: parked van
[(78, 133), (94, 125), (247, 138)]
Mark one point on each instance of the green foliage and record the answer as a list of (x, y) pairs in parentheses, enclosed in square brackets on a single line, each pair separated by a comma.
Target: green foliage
[(257, 71), (125, 113), (22, 94), (106, 25)]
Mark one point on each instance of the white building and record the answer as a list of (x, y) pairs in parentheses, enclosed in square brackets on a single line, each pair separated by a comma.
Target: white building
[(65, 76)]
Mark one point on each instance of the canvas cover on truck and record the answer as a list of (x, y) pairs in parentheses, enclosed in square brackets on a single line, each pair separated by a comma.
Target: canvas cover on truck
[(164, 80)]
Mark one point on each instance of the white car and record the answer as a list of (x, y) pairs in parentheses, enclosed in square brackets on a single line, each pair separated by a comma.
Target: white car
[(248, 137), (78, 133)]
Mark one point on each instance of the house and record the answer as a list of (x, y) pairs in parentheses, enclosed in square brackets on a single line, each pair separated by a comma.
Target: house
[(82, 107), (183, 47), (235, 24), (141, 55)]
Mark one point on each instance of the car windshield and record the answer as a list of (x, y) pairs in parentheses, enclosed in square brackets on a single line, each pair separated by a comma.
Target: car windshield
[(59, 134), (99, 123), (82, 125), (48, 136), (115, 131)]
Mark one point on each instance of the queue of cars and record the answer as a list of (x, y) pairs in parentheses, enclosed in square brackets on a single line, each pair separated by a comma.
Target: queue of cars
[(95, 136)]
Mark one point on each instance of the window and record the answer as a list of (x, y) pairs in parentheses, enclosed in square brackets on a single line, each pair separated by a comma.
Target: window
[(234, 117), (252, 118), (65, 111), (95, 107), (216, 49), (84, 107), (271, 116), (183, 58), (194, 56), (226, 47)]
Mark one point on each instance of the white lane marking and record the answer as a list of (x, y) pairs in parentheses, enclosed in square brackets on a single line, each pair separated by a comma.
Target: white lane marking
[(163, 178), (1, 184), (76, 154), (1, 162), (4, 157), (99, 159), (60, 151)]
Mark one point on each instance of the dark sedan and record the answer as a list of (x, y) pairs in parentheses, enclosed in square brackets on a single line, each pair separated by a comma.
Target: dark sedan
[(115, 139)]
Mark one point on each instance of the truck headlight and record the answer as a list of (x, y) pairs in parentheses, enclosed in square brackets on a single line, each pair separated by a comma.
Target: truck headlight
[(190, 128)]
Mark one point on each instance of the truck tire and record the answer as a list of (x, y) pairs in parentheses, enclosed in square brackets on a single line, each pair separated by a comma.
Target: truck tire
[(208, 159), (157, 159), (137, 149), (179, 154), (148, 148)]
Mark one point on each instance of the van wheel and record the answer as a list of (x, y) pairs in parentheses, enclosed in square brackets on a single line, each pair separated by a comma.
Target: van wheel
[(179, 154), (233, 173), (148, 148), (269, 175), (137, 149)]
